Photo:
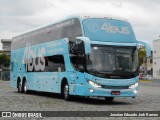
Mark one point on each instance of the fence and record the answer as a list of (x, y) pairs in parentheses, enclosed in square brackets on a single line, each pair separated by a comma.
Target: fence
[(5, 75)]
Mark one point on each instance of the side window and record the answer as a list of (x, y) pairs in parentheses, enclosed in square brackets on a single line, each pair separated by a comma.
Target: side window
[(81, 62), (59, 62), (74, 60), (54, 63), (77, 61)]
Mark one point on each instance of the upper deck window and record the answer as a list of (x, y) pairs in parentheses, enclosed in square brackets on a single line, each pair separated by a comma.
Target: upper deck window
[(66, 29)]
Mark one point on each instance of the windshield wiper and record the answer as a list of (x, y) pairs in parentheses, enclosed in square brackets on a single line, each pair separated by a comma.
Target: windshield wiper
[(109, 72), (94, 71), (123, 71)]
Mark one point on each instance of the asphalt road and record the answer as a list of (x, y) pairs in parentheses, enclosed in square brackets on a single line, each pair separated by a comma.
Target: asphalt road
[(148, 99)]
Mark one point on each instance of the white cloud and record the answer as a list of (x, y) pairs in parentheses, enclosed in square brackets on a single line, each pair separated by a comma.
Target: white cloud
[(17, 16)]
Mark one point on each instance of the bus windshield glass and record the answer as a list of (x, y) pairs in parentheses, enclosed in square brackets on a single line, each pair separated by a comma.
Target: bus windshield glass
[(107, 59)]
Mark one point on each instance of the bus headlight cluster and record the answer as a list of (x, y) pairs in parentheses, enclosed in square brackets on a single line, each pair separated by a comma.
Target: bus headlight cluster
[(133, 86), (94, 84)]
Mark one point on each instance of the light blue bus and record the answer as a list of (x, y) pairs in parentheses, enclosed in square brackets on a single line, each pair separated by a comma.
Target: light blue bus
[(85, 55)]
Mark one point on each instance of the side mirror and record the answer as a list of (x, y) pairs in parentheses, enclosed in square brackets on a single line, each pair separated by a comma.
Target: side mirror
[(87, 44), (147, 47), (81, 45)]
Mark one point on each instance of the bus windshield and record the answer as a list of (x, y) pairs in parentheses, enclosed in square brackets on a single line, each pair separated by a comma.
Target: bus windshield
[(111, 60)]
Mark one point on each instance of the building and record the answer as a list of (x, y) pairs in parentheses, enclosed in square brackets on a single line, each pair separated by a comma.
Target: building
[(148, 65), (156, 59), (6, 46)]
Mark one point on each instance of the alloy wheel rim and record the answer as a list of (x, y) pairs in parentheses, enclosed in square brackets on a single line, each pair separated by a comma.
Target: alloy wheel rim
[(66, 91), (20, 86), (25, 87)]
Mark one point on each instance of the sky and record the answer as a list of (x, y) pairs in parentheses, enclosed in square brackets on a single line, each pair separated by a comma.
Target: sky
[(18, 16)]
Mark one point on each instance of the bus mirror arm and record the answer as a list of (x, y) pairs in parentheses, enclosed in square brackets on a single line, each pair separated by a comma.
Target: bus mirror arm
[(146, 46)]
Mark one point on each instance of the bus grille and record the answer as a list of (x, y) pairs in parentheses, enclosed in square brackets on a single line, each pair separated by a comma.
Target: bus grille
[(115, 87)]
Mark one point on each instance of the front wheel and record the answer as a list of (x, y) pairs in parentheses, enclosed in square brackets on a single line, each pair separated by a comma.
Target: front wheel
[(65, 92), (109, 99)]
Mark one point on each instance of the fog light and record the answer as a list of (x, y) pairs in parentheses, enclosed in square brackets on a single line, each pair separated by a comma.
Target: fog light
[(91, 90), (135, 91)]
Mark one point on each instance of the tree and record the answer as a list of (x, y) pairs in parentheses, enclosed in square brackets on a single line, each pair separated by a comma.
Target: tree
[(141, 55), (4, 60)]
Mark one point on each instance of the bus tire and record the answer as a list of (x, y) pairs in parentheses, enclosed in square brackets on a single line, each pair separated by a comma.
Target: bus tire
[(25, 90), (109, 99), (65, 92), (19, 86)]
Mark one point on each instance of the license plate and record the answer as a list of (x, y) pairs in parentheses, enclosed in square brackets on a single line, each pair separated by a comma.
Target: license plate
[(115, 92)]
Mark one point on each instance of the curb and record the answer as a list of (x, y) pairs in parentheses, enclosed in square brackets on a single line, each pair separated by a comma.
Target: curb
[(146, 80)]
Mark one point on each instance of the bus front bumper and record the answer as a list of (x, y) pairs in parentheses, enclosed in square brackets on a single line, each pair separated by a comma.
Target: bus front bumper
[(100, 92)]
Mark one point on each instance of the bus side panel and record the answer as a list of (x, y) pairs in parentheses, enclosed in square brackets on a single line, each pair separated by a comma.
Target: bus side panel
[(70, 74), (48, 81), (80, 83), (15, 68)]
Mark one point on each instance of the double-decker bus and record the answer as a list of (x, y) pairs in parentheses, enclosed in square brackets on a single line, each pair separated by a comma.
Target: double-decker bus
[(85, 55)]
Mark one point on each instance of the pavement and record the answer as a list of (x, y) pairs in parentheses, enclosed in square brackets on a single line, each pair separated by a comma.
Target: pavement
[(155, 83), (148, 99)]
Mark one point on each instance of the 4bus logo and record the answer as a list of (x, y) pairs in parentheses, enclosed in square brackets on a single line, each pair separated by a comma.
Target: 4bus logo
[(114, 29), (109, 28), (34, 59)]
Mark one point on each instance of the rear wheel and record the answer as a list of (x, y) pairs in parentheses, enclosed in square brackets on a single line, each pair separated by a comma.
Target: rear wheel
[(109, 99), (20, 86), (65, 92), (25, 87)]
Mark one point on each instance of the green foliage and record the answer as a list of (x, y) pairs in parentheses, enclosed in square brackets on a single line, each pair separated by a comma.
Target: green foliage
[(141, 55), (4, 59)]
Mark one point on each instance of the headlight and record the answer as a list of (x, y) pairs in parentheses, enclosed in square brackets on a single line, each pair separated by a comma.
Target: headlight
[(94, 84), (133, 86)]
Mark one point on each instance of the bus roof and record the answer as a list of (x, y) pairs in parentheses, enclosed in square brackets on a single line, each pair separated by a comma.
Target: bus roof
[(93, 15), (80, 16)]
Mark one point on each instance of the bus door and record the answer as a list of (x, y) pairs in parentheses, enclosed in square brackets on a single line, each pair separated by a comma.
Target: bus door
[(57, 66), (55, 82)]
